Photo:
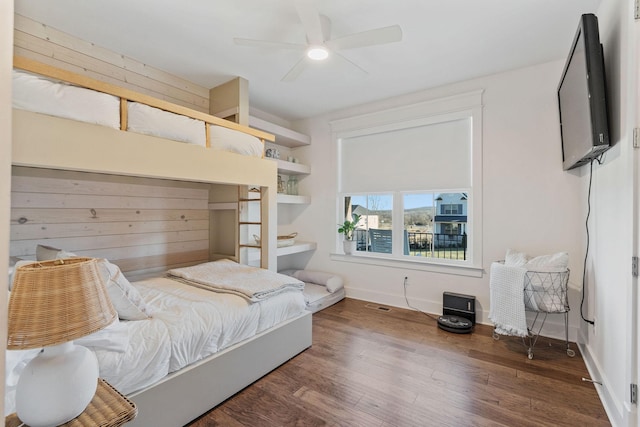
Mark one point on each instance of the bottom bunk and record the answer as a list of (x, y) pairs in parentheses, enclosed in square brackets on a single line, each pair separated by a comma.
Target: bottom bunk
[(185, 395), (188, 340)]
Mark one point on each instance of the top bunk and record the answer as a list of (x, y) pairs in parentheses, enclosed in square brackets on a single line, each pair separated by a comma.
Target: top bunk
[(63, 120)]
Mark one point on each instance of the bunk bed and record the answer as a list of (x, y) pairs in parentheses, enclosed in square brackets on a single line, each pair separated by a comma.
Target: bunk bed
[(214, 151)]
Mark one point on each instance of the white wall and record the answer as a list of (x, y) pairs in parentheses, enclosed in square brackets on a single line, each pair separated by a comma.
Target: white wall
[(6, 61), (609, 348), (529, 203)]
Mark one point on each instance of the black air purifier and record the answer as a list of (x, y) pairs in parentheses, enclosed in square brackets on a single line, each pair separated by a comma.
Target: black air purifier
[(458, 313)]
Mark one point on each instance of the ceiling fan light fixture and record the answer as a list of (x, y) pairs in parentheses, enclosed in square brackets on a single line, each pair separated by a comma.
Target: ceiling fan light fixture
[(317, 53)]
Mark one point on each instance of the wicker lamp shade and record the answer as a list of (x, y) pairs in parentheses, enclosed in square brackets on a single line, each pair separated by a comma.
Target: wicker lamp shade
[(53, 302)]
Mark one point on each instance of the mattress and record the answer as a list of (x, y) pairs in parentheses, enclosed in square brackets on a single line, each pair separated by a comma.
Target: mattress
[(41, 95), (318, 298), (321, 289)]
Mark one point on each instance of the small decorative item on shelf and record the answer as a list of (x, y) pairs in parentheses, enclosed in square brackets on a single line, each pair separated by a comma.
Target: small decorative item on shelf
[(283, 241), (273, 153), (281, 186), (292, 186), (347, 228)]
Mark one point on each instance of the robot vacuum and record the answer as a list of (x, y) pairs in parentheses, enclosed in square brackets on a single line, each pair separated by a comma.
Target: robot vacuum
[(455, 324)]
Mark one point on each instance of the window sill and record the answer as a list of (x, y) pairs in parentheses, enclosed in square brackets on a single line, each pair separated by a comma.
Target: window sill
[(460, 270)]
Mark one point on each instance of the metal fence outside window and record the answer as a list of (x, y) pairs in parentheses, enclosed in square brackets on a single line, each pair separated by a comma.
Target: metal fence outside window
[(433, 245)]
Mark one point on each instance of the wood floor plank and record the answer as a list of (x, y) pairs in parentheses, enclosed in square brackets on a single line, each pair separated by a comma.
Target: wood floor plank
[(396, 368)]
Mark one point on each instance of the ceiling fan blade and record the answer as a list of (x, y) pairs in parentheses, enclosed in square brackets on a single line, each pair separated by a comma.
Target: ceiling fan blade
[(311, 22), (295, 71), (347, 60), (367, 38), (268, 44)]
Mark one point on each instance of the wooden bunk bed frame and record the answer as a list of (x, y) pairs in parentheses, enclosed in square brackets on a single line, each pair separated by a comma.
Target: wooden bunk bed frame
[(42, 141)]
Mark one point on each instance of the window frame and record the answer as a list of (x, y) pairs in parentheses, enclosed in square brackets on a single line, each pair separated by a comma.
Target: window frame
[(467, 105)]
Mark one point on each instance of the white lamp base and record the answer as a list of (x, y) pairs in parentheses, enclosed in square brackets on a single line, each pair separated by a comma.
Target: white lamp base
[(57, 385)]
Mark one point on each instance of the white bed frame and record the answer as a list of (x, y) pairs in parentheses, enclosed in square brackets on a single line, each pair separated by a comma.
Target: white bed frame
[(43, 141), (183, 396)]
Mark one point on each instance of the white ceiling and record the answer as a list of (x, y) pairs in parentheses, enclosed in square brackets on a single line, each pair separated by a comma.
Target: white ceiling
[(444, 41)]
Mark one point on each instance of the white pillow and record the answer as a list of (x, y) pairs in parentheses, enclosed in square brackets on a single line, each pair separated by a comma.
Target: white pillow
[(222, 138), (330, 281), (125, 298), (515, 258), (549, 263), (46, 253), (154, 121), (34, 93)]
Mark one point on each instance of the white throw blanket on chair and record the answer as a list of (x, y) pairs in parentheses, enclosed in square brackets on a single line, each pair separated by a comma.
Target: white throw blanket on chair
[(507, 310)]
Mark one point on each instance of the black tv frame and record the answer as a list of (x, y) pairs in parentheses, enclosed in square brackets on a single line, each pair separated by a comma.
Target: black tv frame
[(579, 144)]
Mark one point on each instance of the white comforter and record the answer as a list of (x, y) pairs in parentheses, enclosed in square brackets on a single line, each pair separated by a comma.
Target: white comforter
[(200, 323), (255, 284)]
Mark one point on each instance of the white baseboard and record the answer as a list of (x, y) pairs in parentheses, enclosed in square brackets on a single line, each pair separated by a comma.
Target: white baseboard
[(553, 326), (616, 411)]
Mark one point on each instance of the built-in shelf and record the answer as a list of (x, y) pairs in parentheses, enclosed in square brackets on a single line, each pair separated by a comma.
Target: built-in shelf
[(291, 139), (285, 137), (296, 248), (290, 168), (293, 200)]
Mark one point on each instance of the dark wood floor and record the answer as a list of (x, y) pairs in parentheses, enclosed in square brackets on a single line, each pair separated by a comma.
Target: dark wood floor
[(368, 367)]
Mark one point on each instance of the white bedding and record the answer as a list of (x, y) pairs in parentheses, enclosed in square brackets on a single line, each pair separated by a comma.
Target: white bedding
[(187, 325), (197, 323), (154, 121), (145, 360), (222, 138), (34, 93), (42, 95), (321, 289), (255, 284), (318, 297)]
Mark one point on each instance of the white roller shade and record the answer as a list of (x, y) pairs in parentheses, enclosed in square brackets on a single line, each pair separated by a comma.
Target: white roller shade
[(434, 156)]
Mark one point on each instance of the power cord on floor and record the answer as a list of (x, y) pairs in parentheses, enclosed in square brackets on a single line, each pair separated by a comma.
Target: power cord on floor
[(429, 315)]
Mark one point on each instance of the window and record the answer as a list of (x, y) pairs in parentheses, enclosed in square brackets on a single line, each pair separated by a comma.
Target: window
[(425, 233), (414, 176)]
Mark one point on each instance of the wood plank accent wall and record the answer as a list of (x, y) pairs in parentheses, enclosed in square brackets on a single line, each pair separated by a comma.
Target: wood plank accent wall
[(39, 42), (143, 225)]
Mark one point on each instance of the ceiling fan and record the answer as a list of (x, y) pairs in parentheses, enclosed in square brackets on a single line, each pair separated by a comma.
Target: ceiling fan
[(319, 42)]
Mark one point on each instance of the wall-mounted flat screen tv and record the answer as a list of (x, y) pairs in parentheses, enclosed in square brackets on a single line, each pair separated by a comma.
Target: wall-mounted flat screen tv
[(584, 125)]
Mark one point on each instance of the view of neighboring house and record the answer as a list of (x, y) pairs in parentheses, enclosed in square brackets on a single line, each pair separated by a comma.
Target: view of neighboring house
[(450, 219)]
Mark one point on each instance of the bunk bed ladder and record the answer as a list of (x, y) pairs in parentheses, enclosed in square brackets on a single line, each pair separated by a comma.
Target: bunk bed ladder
[(250, 240)]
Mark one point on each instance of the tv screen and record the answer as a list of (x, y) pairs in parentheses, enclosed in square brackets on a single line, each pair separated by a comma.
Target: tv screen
[(584, 127)]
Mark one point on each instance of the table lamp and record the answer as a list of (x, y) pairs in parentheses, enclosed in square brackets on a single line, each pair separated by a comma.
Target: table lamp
[(51, 304)]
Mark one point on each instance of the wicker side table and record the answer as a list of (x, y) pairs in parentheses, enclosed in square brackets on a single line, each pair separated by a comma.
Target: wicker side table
[(108, 408)]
